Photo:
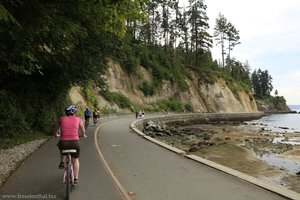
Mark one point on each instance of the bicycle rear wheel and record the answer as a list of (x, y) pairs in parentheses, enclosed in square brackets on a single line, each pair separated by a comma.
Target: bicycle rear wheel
[(68, 178), (86, 124)]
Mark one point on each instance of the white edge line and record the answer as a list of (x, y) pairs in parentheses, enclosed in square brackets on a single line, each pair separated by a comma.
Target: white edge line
[(106, 166)]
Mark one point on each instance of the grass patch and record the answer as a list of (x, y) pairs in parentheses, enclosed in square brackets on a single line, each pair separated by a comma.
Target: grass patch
[(6, 143)]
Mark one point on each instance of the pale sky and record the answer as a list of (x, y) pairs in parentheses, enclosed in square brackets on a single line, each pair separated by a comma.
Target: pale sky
[(270, 39)]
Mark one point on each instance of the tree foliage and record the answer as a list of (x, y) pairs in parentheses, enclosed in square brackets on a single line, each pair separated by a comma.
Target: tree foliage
[(225, 31), (48, 46), (261, 83)]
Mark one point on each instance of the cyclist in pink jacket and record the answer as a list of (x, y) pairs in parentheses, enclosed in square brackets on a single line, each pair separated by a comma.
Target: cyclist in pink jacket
[(69, 126)]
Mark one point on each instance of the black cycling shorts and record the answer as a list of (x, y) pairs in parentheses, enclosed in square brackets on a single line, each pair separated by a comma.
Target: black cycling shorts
[(70, 144)]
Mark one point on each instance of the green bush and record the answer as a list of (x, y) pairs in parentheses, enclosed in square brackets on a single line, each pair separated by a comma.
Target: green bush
[(89, 95), (207, 75), (118, 98), (279, 102), (147, 88), (188, 108), (107, 110), (183, 85), (13, 120), (20, 139), (171, 105), (131, 64)]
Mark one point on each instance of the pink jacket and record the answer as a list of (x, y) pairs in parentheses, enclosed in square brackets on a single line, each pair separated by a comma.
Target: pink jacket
[(69, 126)]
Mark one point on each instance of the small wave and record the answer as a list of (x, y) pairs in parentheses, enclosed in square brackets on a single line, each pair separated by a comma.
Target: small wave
[(285, 140)]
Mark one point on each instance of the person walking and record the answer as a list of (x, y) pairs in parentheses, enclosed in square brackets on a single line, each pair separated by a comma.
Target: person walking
[(136, 114)]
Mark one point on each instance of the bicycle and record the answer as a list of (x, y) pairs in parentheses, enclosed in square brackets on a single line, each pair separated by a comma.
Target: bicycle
[(68, 177), (95, 120), (87, 122)]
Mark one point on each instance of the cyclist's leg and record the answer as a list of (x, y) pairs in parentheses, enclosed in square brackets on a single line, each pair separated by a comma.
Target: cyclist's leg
[(62, 161), (87, 121), (75, 159), (60, 147), (75, 162)]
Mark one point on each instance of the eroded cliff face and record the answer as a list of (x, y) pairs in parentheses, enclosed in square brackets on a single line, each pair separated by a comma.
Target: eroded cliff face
[(215, 97), (219, 98)]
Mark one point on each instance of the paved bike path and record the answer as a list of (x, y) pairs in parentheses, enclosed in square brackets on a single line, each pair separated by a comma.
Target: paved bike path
[(150, 172), (146, 170), (40, 177)]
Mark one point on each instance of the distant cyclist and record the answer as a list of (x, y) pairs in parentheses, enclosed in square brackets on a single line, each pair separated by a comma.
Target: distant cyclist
[(87, 116), (95, 116), (69, 126)]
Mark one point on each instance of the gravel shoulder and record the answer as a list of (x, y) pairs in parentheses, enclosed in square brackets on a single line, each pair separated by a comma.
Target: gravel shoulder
[(11, 158)]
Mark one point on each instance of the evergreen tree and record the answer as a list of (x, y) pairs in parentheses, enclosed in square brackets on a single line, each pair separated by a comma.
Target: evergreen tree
[(266, 83), (198, 20), (233, 37), (225, 31), (184, 27), (220, 34), (261, 83), (255, 83), (165, 22)]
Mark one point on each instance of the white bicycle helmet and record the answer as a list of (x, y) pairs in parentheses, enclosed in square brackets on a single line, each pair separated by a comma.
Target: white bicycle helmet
[(70, 110)]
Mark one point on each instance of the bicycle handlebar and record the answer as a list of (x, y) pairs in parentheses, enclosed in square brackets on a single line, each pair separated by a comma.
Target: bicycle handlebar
[(85, 136)]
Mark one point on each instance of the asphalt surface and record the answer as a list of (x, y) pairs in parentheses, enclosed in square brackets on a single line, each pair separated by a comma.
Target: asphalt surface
[(141, 170), (150, 172), (38, 177)]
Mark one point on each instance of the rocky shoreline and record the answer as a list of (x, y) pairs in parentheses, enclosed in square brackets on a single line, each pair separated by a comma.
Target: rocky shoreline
[(11, 158), (237, 145), (241, 146)]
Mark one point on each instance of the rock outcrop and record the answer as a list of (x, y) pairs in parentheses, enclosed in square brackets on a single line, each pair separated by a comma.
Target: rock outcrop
[(216, 97)]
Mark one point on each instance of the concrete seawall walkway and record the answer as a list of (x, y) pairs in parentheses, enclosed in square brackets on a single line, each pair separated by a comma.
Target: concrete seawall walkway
[(149, 172)]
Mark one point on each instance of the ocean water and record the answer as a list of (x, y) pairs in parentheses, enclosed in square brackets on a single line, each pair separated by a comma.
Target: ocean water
[(281, 123), (294, 107)]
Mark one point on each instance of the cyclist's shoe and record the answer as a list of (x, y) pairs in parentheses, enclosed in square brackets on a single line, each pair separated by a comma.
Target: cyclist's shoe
[(76, 181), (61, 165)]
